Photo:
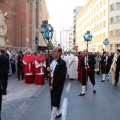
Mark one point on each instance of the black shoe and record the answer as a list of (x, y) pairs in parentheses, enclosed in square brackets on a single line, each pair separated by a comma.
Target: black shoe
[(115, 84), (102, 80), (60, 115), (81, 94), (94, 91), (71, 79), (107, 79), (4, 93)]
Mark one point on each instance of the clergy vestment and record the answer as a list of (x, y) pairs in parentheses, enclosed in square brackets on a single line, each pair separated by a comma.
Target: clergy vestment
[(28, 61), (80, 71), (40, 65), (72, 67)]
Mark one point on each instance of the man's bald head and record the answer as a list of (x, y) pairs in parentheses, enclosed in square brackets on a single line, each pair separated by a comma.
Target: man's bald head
[(57, 51)]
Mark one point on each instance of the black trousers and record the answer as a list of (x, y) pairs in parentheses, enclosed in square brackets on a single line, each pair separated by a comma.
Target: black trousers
[(117, 75), (105, 70), (91, 75), (20, 73), (0, 100), (56, 96), (13, 67), (4, 82)]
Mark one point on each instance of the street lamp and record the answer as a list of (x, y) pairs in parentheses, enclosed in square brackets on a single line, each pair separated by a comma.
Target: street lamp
[(47, 33), (106, 42), (87, 39)]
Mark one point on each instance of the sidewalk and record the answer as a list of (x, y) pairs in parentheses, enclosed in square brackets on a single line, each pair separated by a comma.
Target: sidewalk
[(19, 97)]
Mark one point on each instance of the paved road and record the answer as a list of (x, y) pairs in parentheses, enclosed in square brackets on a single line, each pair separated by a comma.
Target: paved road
[(104, 105), (19, 97), (31, 102)]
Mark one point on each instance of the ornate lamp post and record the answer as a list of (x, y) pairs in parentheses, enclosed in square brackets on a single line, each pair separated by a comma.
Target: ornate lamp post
[(106, 42), (87, 39), (47, 33)]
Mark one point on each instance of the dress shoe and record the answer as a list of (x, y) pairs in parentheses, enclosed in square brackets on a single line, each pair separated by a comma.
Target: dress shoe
[(71, 79), (102, 80), (60, 115), (81, 94), (115, 84), (4, 93), (94, 91)]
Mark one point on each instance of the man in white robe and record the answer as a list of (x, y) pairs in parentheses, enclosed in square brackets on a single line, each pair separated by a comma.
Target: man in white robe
[(76, 61), (72, 66), (65, 57)]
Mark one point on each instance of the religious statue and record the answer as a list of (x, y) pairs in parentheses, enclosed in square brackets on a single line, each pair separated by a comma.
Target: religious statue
[(3, 28)]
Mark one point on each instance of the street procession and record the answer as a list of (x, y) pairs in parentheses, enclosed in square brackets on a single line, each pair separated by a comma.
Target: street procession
[(59, 60)]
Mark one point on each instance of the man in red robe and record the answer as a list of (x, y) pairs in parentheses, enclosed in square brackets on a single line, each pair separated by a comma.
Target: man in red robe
[(40, 65), (80, 71), (28, 61)]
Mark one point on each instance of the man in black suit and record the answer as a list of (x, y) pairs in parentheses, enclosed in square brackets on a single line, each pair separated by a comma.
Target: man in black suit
[(106, 61), (20, 65), (117, 67), (4, 69), (58, 73), (0, 100), (88, 65)]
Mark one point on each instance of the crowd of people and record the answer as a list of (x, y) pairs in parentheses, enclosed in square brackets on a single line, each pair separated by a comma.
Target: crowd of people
[(88, 64), (33, 68)]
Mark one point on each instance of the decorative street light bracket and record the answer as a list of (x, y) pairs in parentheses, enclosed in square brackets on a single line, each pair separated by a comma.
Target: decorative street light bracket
[(88, 36), (87, 39), (46, 30), (47, 33), (106, 42)]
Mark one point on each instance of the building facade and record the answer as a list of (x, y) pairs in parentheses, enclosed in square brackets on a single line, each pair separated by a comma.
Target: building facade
[(54, 39), (71, 38), (43, 15), (64, 39), (19, 21), (75, 13), (94, 17), (114, 25)]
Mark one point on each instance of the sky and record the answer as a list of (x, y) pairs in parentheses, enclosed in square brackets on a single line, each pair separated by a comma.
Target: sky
[(61, 12)]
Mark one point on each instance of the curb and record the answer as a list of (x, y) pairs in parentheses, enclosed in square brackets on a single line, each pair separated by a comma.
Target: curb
[(27, 104)]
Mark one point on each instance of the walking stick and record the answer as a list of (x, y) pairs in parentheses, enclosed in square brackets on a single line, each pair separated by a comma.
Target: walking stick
[(86, 65), (105, 66), (49, 72), (47, 33), (87, 38), (86, 78)]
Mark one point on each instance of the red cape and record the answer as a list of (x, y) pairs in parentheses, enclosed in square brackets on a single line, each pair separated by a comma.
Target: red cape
[(29, 59), (40, 59), (80, 71)]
